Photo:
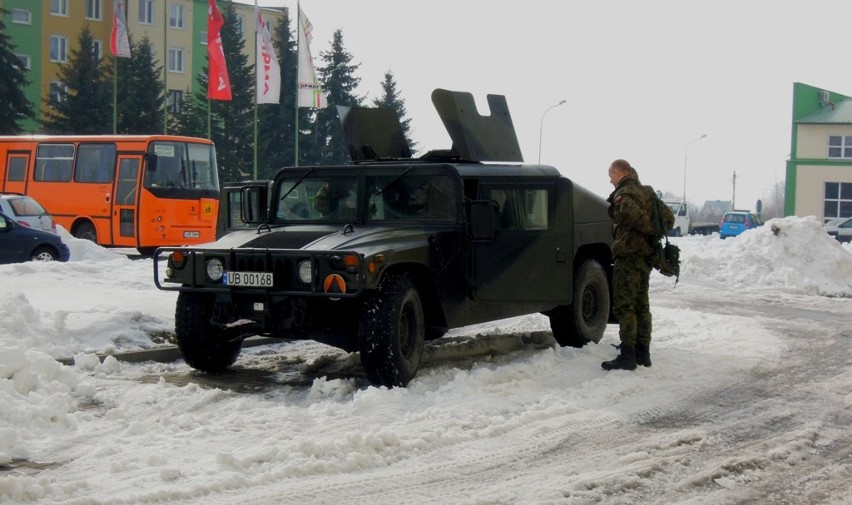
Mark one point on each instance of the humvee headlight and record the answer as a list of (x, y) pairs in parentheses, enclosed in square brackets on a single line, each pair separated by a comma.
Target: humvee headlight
[(306, 272), (215, 269)]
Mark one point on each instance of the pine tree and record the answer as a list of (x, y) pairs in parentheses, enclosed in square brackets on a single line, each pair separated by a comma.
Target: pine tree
[(140, 90), (390, 99), (14, 106), (84, 107), (276, 125), (339, 83)]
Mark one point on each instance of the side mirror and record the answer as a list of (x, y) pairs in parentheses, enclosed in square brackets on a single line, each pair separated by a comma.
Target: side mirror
[(151, 162), (253, 204), (483, 220)]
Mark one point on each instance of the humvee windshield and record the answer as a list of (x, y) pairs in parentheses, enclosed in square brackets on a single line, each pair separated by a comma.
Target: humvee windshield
[(392, 197)]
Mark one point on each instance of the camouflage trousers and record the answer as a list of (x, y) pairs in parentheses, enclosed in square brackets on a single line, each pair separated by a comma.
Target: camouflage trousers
[(630, 299)]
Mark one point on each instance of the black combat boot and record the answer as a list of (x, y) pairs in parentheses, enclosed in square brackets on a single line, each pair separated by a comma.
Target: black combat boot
[(643, 354), (626, 360)]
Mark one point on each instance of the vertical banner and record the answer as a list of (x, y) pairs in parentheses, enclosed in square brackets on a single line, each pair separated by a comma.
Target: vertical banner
[(118, 42), (267, 68), (218, 83), (309, 89)]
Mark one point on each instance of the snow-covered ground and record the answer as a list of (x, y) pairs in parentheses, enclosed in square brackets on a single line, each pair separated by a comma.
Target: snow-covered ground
[(749, 399)]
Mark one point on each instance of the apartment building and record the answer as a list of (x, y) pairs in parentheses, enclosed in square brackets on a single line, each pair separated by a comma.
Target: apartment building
[(44, 32)]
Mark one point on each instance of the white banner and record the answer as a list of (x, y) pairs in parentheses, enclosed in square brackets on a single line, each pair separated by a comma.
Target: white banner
[(310, 92), (267, 68)]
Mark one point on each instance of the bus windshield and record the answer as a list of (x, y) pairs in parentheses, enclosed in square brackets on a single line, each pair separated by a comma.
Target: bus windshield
[(182, 165)]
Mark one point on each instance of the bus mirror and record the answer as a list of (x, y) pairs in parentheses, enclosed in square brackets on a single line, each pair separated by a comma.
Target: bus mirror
[(253, 205), (151, 162), (483, 220)]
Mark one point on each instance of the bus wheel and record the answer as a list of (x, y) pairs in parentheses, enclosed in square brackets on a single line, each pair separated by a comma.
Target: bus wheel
[(86, 231)]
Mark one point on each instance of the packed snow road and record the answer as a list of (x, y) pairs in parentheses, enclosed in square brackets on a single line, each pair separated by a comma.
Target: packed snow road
[(749, 400)]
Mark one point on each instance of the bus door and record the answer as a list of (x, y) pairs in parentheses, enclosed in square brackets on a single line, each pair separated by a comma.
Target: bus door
[(15, 175), (125, 208)]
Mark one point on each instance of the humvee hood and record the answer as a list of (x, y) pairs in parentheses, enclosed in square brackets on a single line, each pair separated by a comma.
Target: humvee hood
[(319, 238)]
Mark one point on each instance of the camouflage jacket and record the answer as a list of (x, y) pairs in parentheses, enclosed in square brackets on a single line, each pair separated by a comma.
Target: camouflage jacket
[(630, 210)]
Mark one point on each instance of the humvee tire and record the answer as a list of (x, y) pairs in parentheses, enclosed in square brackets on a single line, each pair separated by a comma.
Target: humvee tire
[(391, 331), (202, 345), (584, 320)]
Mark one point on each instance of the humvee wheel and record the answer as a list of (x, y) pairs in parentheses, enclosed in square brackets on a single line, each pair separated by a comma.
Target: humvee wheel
[(584, 320), (391, 331), (202, 345)]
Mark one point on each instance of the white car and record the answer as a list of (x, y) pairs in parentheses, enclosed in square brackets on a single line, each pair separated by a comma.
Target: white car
[(26, 211), (841, 230)]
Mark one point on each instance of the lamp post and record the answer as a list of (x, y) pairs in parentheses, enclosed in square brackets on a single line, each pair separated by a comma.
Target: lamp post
[(685, 151), (541, 127)]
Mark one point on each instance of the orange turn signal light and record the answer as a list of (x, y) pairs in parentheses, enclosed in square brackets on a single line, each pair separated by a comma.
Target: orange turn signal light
[(178, 259)]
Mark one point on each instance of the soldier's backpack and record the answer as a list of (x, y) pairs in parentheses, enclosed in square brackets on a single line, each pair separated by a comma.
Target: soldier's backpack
[(666, 257)]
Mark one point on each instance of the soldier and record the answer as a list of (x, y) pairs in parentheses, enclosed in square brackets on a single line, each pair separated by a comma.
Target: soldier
[(630, 210)]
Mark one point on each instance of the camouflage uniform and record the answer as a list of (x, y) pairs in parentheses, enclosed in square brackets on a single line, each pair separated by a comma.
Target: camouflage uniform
[(630, 210)]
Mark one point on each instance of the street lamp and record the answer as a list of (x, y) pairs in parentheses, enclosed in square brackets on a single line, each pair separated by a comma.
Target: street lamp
[(541, 127), (685, 151)]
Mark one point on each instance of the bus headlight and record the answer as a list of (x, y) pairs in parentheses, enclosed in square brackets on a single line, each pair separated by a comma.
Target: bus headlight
[(306, 272), (215, 269)]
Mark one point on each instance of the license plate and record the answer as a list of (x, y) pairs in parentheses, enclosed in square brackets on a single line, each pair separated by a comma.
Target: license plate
[(249, 279), (191, 234)]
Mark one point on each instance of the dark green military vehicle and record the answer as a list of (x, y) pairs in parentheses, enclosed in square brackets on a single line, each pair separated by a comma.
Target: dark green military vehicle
[(390, 251)]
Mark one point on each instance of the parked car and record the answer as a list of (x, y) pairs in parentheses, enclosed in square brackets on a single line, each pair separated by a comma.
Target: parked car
[(841, 230), (737, 221), (26, 211), (19, 243)]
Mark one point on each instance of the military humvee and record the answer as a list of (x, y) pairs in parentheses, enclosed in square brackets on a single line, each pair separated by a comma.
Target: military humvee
[(383, 254)]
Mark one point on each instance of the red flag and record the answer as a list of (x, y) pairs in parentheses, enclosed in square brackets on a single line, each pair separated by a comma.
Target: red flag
[(218, 83)]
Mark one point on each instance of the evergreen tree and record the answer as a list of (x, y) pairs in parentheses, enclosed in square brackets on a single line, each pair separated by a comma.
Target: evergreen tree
[(339, 83), (140, 90), (14, 106), (84, 107), (390, 99), (276, 134)]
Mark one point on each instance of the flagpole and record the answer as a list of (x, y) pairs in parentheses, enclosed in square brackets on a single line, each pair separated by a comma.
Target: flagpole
[(298, 47), (166, 70), (114, 94), (256, 70)]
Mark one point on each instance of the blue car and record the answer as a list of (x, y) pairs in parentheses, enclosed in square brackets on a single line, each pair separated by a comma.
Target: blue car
[(735, 222), (19, 243)]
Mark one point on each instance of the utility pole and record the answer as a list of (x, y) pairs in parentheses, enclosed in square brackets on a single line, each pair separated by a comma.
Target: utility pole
[(734, 196)]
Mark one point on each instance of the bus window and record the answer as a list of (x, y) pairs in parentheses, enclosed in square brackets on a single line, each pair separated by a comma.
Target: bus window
[(184, 166), (17, 168), (202, 162), (127, 182), (95, 163), (53, 162)]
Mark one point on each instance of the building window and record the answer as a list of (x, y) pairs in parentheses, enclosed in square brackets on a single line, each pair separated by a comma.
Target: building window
[(176, 16), (839, 147), (241, 25), (58, 49), (59, 7), (175, 59), (838, 199), (57, 91), (146, 12), (22, 16), (98, 46), (174, 102), (204, 38), (93, 9), (25, 60)]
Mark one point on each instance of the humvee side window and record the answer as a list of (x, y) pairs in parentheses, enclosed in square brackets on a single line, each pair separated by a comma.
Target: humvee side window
[(520, 208), (411, 197)]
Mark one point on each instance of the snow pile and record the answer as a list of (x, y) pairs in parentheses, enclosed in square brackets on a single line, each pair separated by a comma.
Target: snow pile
[(793, 253)]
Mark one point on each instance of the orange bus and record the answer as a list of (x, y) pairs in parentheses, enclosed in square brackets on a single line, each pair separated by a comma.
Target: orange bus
[(142, 191)]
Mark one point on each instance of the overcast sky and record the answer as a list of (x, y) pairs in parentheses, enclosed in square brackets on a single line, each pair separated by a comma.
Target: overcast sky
[(641, 80)]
